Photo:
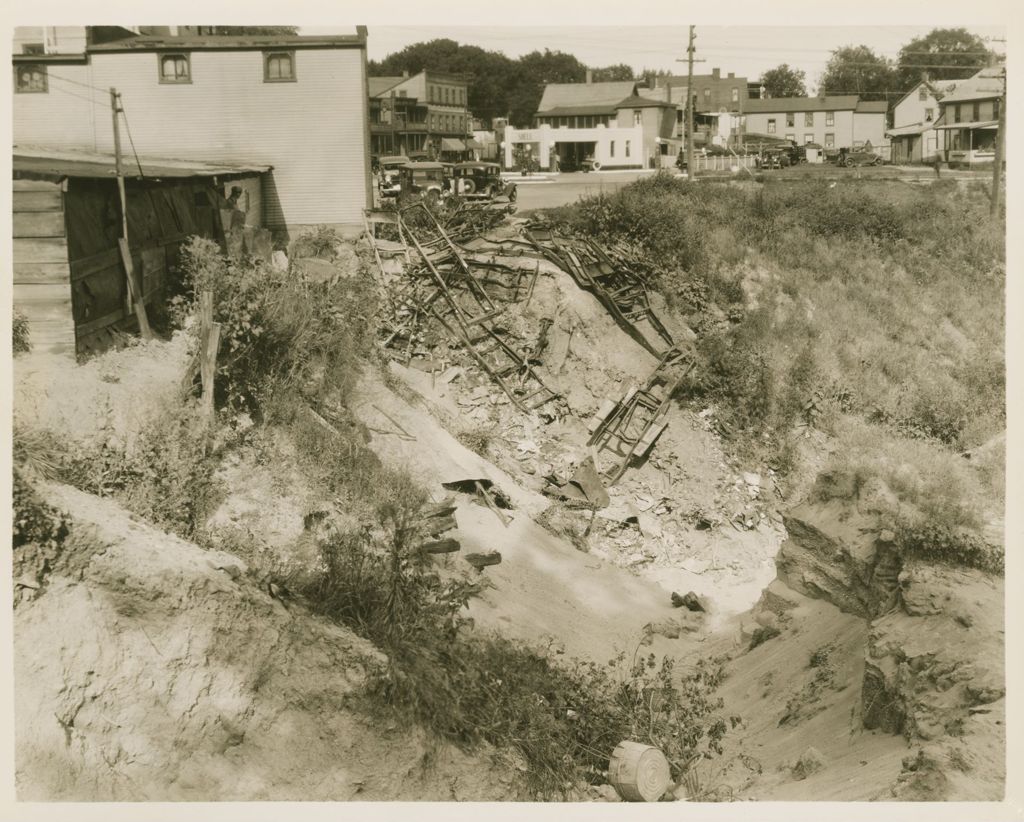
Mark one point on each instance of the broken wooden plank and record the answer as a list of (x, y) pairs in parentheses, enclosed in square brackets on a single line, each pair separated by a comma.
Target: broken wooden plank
[(482, 559)]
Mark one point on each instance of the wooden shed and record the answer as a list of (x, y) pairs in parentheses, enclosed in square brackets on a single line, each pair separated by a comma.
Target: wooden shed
[(69, 278)]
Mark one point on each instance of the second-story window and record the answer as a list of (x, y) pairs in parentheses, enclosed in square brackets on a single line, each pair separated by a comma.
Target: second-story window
[(638, 116), (735, 95), (279, 67), (976, 112), (30, 80), (790, 120), (771, 125), (175, 68), (809, 119), (929, 115), (830, 118)]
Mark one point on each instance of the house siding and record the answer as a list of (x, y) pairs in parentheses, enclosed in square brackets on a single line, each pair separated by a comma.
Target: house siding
[(869, 126), (842, 127), (313, 131)]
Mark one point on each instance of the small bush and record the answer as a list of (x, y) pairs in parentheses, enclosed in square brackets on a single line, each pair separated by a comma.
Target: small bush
[(956, 547), (19, 329), (167, 478), (35, 522), (762, 635), (279, 334)]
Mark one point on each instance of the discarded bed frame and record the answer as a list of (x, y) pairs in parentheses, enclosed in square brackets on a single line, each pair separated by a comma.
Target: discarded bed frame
[(606, 273), (445, 285), (627, 428)]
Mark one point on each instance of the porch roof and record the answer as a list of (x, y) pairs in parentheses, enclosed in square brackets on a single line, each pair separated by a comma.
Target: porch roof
[(977, 124), (906, 131)]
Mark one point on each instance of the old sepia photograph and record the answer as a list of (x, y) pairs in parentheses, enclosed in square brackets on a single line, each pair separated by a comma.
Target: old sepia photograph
[(525, 412)]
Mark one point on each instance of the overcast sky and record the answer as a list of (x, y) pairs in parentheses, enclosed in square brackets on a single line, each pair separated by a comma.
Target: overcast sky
[(745, 50)]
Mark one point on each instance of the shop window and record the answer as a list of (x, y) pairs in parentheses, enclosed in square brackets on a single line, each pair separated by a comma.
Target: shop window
[(771, 125), (30, 80), (175, 68), (830, 118), (790, 120), (830, 141), (809, 119), (279, 67)]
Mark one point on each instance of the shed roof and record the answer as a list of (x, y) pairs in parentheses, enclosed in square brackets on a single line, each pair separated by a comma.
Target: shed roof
[(904, 131), (602, 97), (773, 105), (54, 164)]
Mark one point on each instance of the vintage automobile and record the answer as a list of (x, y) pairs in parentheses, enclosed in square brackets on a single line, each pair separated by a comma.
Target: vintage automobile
[(590, 164), (481, 181), (771, 158), (851, 157), (388, 174), (427, 179)]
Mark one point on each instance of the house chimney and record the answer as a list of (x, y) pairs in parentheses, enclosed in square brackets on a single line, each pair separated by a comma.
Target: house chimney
[(731, 76), (590, 77), (716, 74)]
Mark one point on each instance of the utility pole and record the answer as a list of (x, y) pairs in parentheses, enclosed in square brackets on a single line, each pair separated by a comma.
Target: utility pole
[(997, 171), (690, 170), (134, 299)]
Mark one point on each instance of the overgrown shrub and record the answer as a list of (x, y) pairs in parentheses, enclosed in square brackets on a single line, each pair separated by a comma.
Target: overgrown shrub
[(20, 333), (34, 521), (168, 477), (956, 547), (278, 333)]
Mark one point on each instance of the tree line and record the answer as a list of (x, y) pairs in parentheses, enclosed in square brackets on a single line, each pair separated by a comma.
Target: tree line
[(500, 86), (942, 54)]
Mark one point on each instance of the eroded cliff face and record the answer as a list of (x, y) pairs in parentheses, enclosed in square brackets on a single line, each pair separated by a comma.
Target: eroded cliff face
[(933, 660), (149, 669)]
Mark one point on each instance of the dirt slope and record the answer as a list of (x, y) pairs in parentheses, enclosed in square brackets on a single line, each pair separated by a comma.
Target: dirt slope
[(149, 669)]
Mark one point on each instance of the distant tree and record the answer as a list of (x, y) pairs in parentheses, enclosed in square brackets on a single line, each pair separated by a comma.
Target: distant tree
[(783, 81), (945, 54), (858, 70), (620, 71), (536, 70)]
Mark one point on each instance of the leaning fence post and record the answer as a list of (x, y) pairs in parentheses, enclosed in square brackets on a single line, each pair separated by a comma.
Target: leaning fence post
[(209, 342)]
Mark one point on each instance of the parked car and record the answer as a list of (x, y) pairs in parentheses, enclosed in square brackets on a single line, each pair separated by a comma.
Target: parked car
[(389, 173), (851, 157), (481, 181), (590, 164), (427, 179), (771, 158)]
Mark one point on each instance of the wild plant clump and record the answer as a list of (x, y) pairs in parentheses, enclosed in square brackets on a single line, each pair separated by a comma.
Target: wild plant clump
[(278, 333), (20, 334)]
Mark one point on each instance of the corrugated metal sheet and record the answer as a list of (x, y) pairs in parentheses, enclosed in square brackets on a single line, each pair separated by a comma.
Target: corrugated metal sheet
[(314, 132)]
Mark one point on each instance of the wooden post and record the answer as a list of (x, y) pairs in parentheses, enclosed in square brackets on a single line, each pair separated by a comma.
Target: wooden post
[(209, 341), (135, 297), (997, 172), (690, 170)]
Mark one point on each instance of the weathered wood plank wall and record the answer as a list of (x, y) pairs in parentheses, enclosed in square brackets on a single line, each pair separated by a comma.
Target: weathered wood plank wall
[(41, 274)]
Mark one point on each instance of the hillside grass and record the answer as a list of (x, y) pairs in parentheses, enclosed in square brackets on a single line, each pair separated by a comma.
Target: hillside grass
[(873, 311)]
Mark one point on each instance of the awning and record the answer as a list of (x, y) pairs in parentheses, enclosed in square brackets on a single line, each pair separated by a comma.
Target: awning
[(57, 164), (976, 124), (451, 144), (908, 131)]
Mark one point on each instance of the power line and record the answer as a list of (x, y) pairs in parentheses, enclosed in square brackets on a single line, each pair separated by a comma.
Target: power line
[(72, 94), (128, 128), (75, 82)]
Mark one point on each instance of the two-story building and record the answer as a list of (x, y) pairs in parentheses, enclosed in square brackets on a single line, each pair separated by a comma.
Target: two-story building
[(607, 122), (913, 135), (298, 104), (718, 104), (831, 121), (398, 122), (443, 101), (969, 118)]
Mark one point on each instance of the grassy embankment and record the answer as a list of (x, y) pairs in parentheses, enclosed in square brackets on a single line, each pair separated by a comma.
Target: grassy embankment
[(872, 312)]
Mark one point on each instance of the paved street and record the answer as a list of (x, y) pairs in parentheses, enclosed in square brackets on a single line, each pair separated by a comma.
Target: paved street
[(567, 188)]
